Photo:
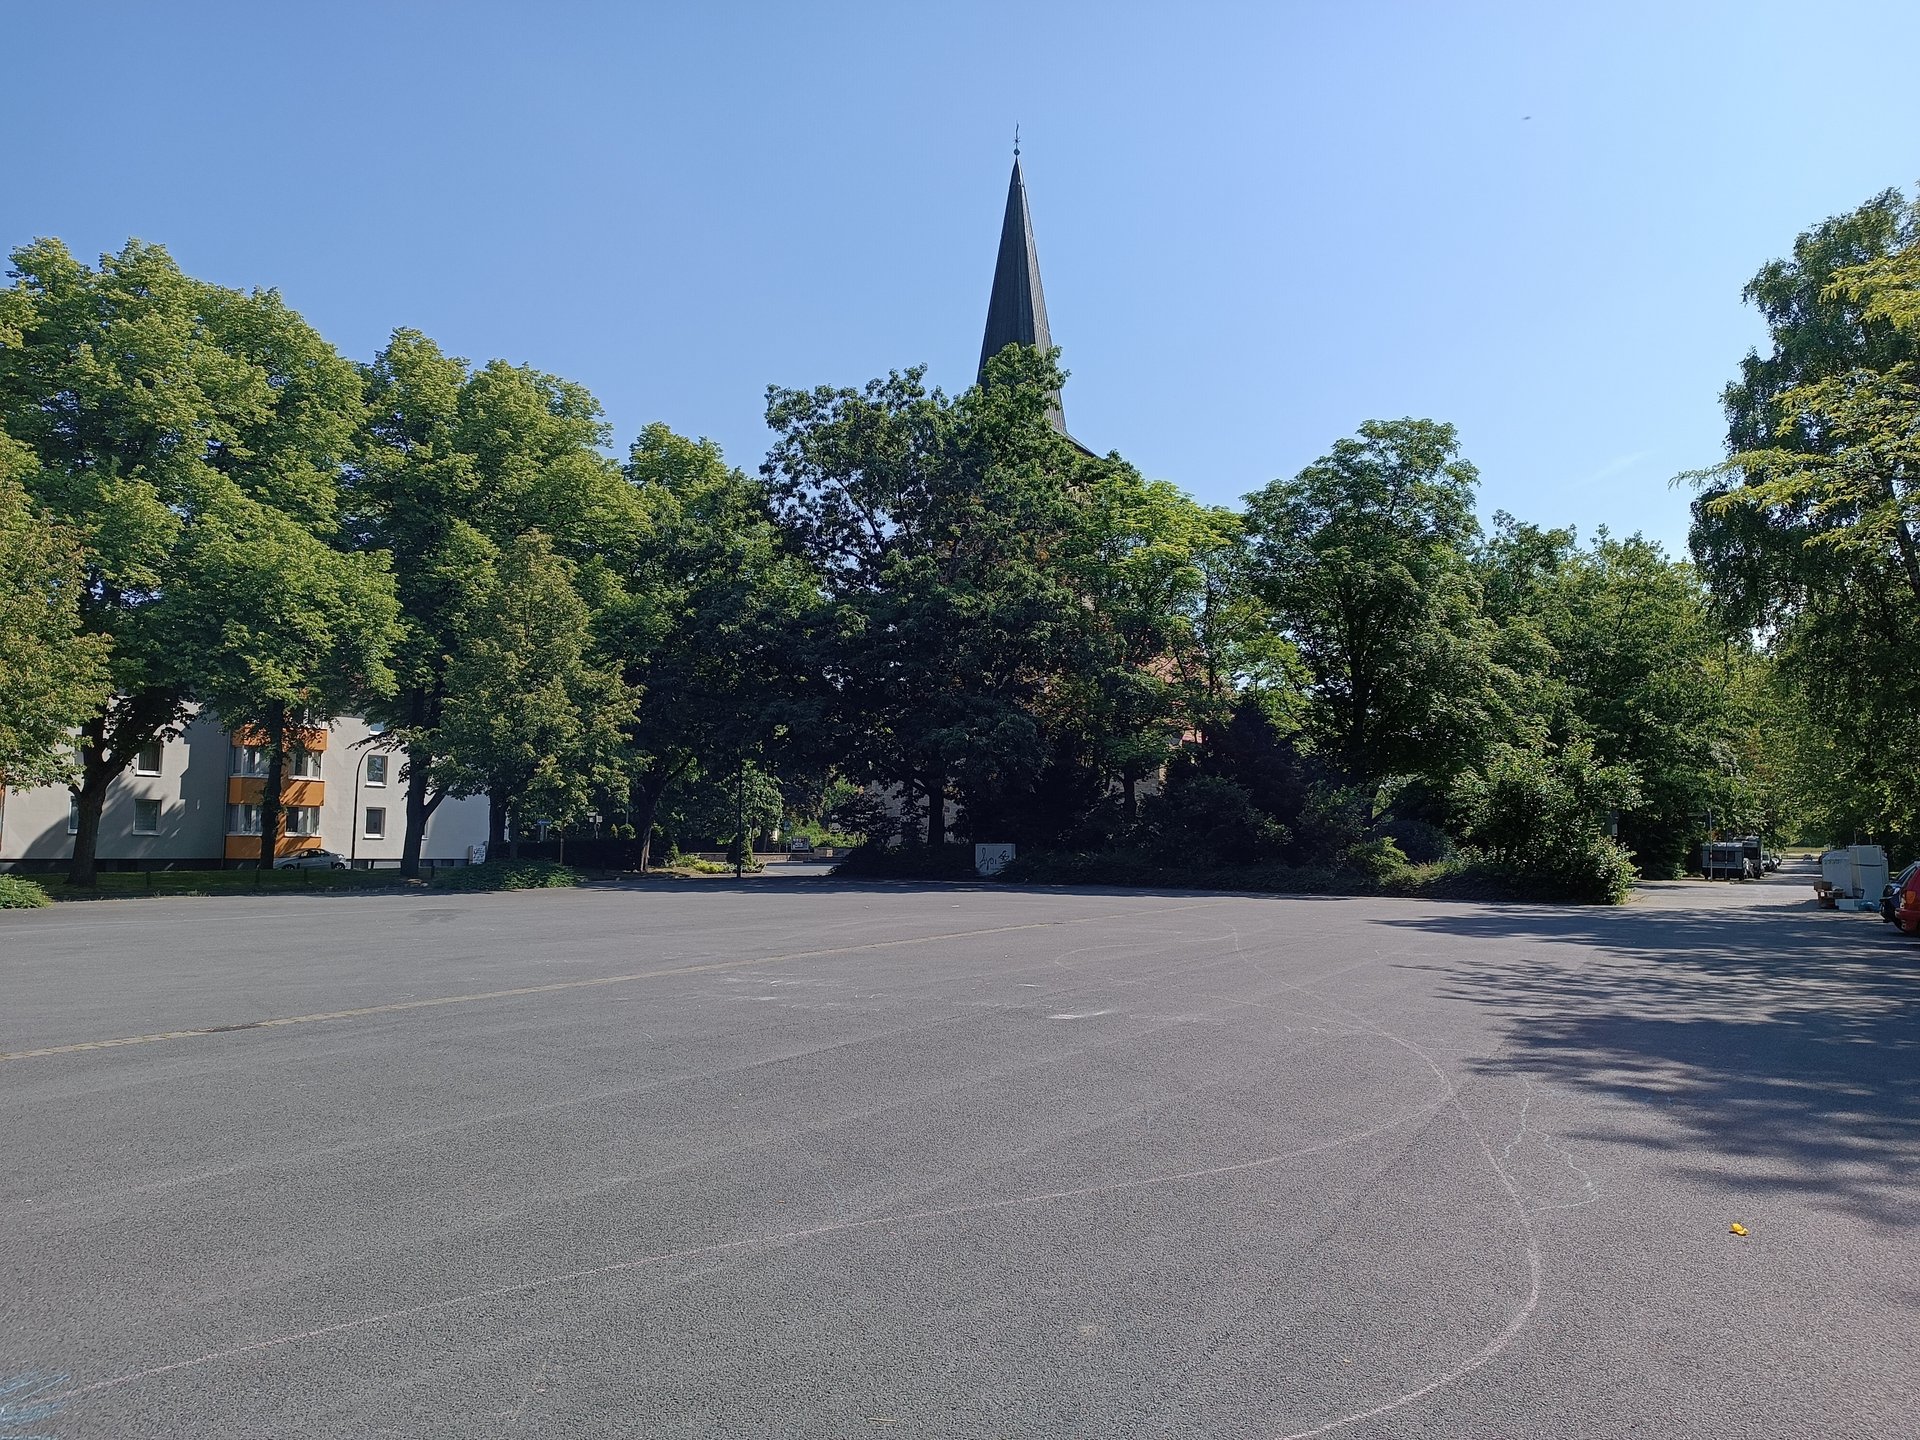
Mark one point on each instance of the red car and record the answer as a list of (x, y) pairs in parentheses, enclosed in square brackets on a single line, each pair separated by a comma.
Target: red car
[(1906, 902)]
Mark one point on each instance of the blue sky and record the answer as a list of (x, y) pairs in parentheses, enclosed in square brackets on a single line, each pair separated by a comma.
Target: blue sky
[(1258, 226)]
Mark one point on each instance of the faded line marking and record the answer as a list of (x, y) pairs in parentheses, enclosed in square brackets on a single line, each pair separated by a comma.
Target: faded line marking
[(517, 992)]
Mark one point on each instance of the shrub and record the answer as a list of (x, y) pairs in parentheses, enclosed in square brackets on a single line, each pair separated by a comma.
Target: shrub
[(1209, 820), (1421, 841), (1536, 816), (1378, 858), (507, 875), (19, 893)]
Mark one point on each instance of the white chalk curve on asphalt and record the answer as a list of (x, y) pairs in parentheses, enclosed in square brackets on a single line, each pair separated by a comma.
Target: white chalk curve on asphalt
[(1520, 1317), (786, 1237)]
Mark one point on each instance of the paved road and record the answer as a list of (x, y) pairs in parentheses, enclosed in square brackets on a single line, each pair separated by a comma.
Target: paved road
[(782, 1159)]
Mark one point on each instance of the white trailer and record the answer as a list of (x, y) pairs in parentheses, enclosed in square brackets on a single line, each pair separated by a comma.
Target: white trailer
[(1852, 877)]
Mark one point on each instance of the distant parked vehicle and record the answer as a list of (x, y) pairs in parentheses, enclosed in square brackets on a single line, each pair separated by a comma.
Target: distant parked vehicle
[(1728, 860), (1853, 877), (312, 860)]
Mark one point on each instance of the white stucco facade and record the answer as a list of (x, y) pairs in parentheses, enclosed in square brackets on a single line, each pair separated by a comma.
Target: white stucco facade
[(184, 803)]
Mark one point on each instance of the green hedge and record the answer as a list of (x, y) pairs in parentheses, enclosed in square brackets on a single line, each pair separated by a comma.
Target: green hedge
[(507, 875), (1371, 871), (19, 893)]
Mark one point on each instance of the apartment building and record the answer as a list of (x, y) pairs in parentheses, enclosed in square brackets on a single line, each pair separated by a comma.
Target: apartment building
[(194, 801)]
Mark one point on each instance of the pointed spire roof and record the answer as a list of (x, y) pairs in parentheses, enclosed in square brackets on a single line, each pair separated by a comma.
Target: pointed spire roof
[(1017, 308)]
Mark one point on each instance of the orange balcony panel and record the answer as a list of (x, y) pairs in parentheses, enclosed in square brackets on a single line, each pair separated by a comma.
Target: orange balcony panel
[(248, 790), (303, 792), (313, 739)]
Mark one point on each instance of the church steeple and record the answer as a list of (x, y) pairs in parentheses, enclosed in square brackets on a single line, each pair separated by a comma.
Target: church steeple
[(1017, 308)]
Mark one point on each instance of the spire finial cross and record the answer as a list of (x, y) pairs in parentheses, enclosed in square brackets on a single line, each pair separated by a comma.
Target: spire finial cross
[(1016, 142)]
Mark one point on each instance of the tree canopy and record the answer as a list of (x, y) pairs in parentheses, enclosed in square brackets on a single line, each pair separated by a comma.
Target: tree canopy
[(944, 606)]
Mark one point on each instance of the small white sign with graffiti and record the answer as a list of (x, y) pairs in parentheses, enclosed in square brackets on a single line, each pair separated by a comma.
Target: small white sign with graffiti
[(991, 859)]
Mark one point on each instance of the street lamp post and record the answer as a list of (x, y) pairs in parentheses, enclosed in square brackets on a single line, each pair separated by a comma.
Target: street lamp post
[(353, 820), (740, 820)]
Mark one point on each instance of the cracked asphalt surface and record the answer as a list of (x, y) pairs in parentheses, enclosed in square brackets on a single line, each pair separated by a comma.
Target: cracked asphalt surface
[(799, 1157)]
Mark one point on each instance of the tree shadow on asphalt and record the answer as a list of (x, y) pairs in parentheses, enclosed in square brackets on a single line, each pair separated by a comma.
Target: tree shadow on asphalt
[(1785, 1038)]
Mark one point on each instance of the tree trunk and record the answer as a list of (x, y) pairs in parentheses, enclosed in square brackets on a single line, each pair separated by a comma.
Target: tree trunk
[(936, 786), (1129, 805), (275, 784), (496, 821), (645, 807), (420, 807), (95, 777), (108, 744)]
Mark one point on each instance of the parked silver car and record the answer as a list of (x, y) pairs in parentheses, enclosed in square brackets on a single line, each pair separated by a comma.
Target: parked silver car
[(312, 860)]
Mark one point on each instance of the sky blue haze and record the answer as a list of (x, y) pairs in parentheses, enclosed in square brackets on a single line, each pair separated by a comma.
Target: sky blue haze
[(1258, 225)]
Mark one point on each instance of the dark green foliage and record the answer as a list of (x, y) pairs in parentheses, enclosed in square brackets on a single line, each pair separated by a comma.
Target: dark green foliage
[(507, 875), (1540, 816), (1614, 644), (1454, 880), (956, 639), (1207, 820), (942, 599), (1364, 559)]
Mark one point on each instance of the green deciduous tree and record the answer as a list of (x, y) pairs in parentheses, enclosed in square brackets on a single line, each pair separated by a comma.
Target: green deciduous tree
[(454, 465), (939, 527), (1613, 644), (711, 625), (533, 717), (283, 631), (1809, 533), (53, 677), (145, 398), (1364, 559), (1165, 581)]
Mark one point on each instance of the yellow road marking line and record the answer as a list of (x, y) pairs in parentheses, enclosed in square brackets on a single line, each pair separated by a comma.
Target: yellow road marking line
[(517, 991)]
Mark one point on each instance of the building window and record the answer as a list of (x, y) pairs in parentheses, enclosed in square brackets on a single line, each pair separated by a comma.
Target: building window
[(243, 819), (146, 817), (376, 823), (376, 769), (303, 820), (73, 816), (147, 762), (250, 760), (306, 763)]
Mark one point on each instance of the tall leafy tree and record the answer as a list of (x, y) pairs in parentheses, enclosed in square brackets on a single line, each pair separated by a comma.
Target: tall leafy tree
[(935, 524), (1165, 580), (284, 632), (145, 398), (712, 623), (1364, 558), (533, 717), (455, 464), (1613, 646), (1809, 533), (55, 675)]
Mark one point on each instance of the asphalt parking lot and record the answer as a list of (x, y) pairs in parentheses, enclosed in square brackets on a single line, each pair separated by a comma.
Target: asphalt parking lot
[(797, 1157)]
